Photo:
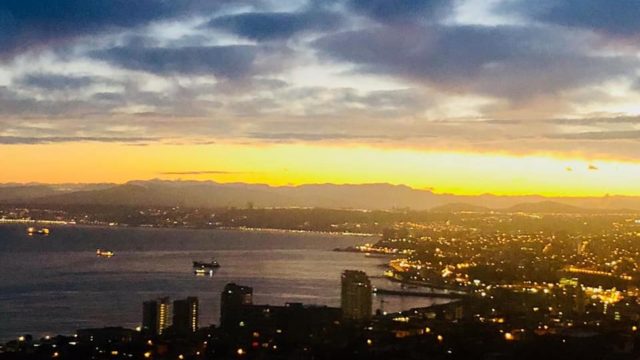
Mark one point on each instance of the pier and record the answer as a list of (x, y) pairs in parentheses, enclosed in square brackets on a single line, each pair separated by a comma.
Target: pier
[(430, 294)]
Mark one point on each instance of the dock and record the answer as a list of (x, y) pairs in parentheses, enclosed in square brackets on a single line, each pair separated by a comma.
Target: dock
[(431, 294)]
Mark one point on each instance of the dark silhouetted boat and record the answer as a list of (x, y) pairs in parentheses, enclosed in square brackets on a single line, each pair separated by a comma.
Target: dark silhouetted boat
[(206, 265)]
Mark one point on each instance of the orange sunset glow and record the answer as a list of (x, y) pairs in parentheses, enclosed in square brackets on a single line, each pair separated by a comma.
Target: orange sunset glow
[(295, 164)]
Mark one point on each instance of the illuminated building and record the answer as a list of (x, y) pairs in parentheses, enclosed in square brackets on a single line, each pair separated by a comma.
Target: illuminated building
[(356, 295), (185, 315), (155, 316), (232, 299), (164, 307)]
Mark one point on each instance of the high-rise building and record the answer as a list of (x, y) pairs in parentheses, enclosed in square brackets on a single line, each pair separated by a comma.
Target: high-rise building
[(356, 295), (185, 315), (580, 300), (155, 316), (150, 317), (164, 312), (574, 294), (232, 299)]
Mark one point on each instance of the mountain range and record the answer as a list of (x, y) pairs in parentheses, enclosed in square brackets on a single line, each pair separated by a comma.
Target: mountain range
[(362, 196)]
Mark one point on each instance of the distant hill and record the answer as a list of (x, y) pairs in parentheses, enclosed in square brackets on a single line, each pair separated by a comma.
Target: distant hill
[(35, 192), (25, 192), (460, 207), (549, 207), (209, 194), (364, 196), (167, 194)]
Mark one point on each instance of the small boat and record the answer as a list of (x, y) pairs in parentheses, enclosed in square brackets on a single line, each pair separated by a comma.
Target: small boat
[(206, 265), (203, 272), (42, 231), (104, 253)]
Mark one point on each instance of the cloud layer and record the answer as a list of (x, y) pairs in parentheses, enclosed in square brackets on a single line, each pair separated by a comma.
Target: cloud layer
[(519, 76)]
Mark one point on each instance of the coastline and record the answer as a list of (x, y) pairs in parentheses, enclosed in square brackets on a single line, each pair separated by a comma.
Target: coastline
[(225, 228)]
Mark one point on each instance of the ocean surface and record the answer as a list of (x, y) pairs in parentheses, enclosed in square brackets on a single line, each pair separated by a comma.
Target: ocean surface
[(56, 284)]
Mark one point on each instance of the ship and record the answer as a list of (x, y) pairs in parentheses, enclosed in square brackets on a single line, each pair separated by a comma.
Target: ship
[(104, 253), (42, 231), (206, 265)]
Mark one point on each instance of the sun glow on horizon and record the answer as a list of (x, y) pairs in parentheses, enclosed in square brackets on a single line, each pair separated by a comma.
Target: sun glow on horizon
[(296, 164)]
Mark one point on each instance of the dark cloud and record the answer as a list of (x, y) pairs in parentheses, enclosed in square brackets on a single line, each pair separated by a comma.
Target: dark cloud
[(319, 103), (200, 172), (506, 61), (15, 104), (606, 121), (25, 140), (399, 101), (231, 61), (619, 17), (289, 136), (600, 135), (277, 25), (400, 10), (54, 82), (31, 23), (109, 97), (78, 101)]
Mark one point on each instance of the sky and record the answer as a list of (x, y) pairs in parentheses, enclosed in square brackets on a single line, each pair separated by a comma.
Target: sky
[(454, 96)]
